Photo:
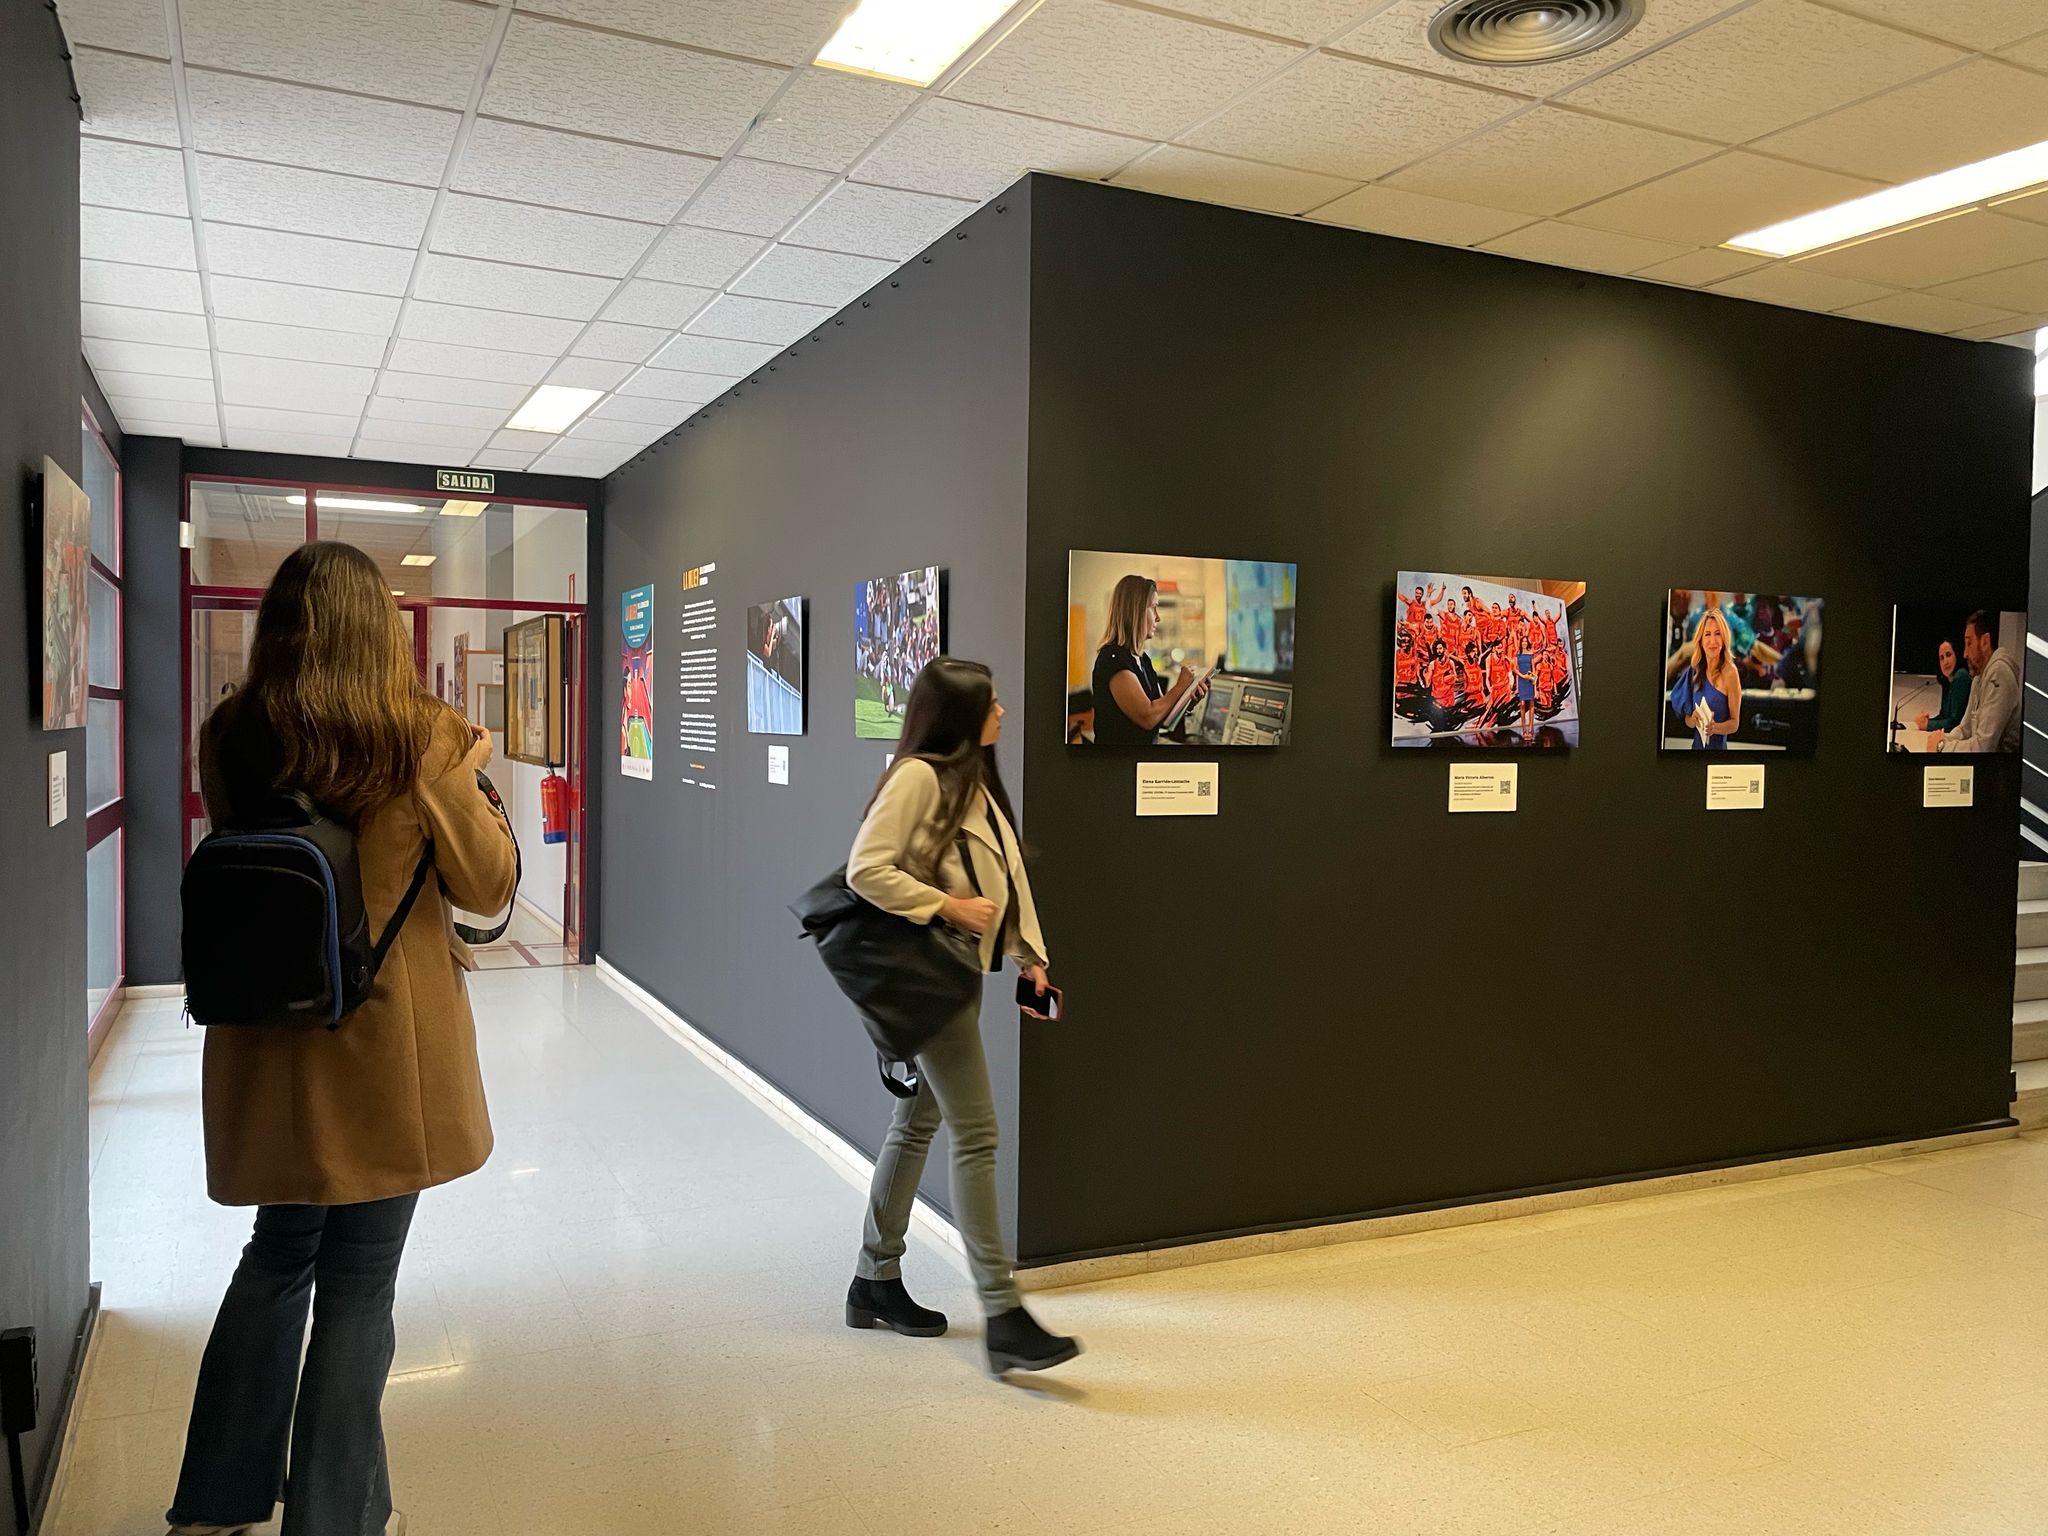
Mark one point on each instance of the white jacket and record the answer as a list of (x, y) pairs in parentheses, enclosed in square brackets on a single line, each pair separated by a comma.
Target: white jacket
[(883, 867), (1991, 720)]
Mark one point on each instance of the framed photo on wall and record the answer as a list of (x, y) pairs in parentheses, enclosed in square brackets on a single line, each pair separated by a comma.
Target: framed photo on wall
[(536, 685), (67, 556), (1741, 671)]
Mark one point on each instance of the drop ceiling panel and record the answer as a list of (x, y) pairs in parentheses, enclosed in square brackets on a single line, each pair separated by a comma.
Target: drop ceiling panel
[(323, 309), (1399, 34), (2022, 289), (1410, 216), (1986, 24), (458, 362), (1196, 173), (632, 434), (1345, 117), (290, 442), (497, 328), (320, 130), (827, 118), (709, 258), (760, 320), (235, 250), (589, 373), (1307, 21), (273, 419), (313, 202), (1597, 250), (655, 415), (148, 357), (421, 50), (1926, 312), (1979, 109), (564, 462), (126, 98), (569, 170), (385, 429), (703, 354), (145, 178), (878, 221), (112, 322), (1761, 69), (1696, 269), (511, 463), (425, 386), (567, 77), (1548, 160), (152, 386), (177, 414), (143, 239), (1128, 71), (309, 386), (2032, 206), (786, 31), (130, 26), (957, 150), (668, 305), (199, 436), (693, 388), (2033, 53), (1799, 288), (1952, 248), (524, 290), (542, 237), (2002, 331), (1731, 194), (811, 277), (755, 197), (617, 343), (523, 442), (108, 282), (404, 451), (476, 417)]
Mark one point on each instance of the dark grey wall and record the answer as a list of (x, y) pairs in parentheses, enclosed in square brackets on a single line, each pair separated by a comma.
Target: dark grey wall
[(1262, 1034), (153, 644), (894, 440), (43, 1238)]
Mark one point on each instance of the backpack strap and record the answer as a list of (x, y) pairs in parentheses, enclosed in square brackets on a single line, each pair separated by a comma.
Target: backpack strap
[(412, 894)]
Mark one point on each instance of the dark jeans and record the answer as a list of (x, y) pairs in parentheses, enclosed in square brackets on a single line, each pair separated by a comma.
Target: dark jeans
[(255, 1401)]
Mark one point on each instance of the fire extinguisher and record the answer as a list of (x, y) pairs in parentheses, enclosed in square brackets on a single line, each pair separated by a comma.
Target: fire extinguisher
[(554, 808)]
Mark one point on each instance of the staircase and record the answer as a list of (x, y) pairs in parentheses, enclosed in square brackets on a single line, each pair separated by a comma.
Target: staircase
[(2030, 998)]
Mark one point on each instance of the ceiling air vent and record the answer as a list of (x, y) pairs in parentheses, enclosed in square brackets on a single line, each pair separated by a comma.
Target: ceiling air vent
[(1511, 32)]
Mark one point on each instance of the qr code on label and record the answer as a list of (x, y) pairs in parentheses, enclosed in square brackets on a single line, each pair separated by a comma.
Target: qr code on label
[(1204, 790)]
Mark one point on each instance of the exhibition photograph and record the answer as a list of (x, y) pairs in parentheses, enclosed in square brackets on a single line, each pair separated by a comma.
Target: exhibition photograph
[(1487, 662)]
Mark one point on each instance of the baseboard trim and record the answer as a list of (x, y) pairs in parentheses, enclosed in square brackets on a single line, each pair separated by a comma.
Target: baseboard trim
[(852, 1164), (173, 989), (77, 1374)]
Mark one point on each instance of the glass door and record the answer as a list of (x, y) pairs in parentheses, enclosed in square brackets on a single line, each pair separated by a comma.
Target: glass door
[(216, 661)]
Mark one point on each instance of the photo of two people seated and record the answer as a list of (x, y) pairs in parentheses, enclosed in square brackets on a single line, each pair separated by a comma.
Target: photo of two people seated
[(1957, 684)]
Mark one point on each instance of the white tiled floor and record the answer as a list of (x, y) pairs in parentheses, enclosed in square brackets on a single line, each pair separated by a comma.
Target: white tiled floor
[(629, 1322)]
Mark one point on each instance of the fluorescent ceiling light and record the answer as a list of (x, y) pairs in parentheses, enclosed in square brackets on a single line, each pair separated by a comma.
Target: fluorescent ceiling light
[(553, 408), (914, 41), (355, 503), (417, 560), (1911, 203), (398, 591), (463, 508)]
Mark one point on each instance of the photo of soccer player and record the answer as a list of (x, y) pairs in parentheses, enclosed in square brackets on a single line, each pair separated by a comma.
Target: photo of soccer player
[(1487, 662), (775, 668), (898, 626), (1741, 672)]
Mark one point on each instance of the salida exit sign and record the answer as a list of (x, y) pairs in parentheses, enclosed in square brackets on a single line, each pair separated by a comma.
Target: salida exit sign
[(465, 480)]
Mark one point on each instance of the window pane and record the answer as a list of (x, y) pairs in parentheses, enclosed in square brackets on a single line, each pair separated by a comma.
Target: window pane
[(220, 660), (428, 546), (102, 752), (101, 483), (102, 922), (103, 612), (241, 532)]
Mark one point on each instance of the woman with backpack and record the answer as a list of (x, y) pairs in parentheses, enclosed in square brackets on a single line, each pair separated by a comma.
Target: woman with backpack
[(942, 802), (332, 1133)]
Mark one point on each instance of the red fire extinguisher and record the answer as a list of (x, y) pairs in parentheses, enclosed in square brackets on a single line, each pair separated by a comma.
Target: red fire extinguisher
[(554, 808)]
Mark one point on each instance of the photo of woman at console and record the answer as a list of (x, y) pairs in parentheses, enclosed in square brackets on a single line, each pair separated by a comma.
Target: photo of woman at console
[(1132, 700)]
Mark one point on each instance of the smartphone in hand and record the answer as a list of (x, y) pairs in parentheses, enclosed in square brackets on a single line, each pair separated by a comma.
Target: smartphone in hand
[(1036, 1004)]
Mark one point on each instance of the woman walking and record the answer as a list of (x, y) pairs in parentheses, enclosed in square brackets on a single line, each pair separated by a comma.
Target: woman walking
[(941, 798), (332, 1134)]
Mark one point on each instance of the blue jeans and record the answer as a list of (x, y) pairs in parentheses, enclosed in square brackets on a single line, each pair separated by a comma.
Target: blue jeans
[(255, 1402)]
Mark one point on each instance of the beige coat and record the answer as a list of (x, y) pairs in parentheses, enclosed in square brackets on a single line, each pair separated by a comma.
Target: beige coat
[(888, 865), (392, 1102)]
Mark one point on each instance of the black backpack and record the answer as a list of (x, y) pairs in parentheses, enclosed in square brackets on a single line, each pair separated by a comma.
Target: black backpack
[(275, 930)]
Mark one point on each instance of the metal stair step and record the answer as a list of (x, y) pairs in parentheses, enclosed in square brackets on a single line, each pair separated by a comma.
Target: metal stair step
[(2033, 881), (2030, 974)]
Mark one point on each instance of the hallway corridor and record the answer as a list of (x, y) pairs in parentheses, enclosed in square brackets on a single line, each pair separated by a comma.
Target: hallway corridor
[(629, 1323)]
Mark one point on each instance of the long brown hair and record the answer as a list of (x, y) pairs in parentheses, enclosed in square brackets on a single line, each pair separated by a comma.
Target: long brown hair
[(1700, 674), (1127, 605), (333, 675)]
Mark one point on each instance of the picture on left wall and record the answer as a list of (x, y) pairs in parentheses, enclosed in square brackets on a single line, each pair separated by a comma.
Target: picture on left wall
[(898, 625), (67, 556), (636, 680), (775, 667)]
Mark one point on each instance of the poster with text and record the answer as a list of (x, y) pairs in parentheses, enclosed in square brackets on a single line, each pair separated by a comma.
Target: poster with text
[(1957, 678), (697, 673), (1487, 662), (1741, 671), (636, 695), (898, 626), (775, 667)]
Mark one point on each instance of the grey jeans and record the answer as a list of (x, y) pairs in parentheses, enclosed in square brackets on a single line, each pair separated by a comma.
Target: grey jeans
[(953, 1087)]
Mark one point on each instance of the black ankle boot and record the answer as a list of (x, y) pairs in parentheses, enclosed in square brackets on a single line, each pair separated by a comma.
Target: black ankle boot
[(886, 1304), (1016, 1343)]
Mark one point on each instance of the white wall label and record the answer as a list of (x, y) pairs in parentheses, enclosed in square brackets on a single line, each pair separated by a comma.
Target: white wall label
[(778, 765), (1737, 787), (1485, 786), (1947, 787), (60, 786), (1177, 789)]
